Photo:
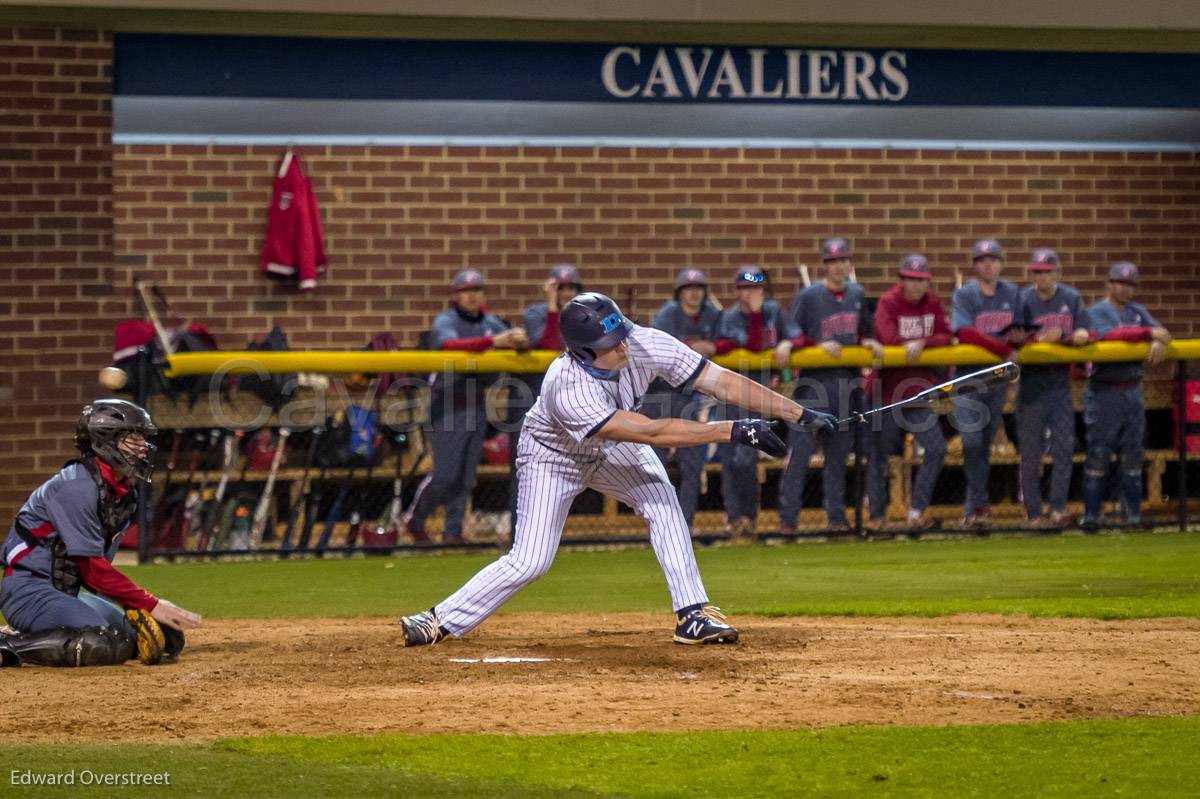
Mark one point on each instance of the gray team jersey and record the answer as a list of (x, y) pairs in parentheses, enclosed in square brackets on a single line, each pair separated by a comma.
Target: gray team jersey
[(62, 507), (574, 403), (465, 389), (988, 315), (735, 327), (671, 318), (1103, 317), (818, 314), (535, 321), (1064, 310)]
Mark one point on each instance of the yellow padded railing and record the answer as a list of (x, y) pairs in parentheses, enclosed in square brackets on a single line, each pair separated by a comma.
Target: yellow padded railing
[(425, 361)]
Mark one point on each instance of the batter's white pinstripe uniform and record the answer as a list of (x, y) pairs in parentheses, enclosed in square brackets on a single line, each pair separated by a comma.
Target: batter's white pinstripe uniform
[(557, 458)]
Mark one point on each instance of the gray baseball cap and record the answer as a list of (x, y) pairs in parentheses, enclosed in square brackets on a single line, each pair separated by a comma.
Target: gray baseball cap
[(1124, 272)]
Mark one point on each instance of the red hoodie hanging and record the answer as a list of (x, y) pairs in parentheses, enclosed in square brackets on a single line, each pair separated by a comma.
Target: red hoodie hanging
[(294, 246)]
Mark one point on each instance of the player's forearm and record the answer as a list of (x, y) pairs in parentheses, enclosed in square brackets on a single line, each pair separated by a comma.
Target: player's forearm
[(638, 429), (734, 389)]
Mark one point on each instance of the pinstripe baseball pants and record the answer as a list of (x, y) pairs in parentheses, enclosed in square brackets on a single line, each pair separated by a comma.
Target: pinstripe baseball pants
[(548, 482)]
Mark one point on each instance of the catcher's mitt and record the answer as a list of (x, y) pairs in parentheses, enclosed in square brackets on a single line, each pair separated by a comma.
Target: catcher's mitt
[(156, 644)]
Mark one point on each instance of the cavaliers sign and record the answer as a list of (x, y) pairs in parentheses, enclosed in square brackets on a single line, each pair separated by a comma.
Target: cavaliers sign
[(705, 73)]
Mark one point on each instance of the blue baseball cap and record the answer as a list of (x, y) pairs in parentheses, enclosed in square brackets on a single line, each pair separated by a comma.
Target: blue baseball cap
[(749, 276)]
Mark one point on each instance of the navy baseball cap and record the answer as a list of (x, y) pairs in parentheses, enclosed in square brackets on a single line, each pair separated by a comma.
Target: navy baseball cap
[(832, 249), (1043, 259), (690, 277), (916, 266), (566, 275), (467, 279), (748, 276), (985, 247), (1124, 272)]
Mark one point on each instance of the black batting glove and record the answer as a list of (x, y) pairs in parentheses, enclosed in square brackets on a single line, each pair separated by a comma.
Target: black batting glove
[(760, 434), (817, 422)]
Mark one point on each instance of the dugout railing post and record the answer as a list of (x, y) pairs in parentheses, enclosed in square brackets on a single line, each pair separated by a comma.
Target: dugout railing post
[(144, 494), (1181, 401)]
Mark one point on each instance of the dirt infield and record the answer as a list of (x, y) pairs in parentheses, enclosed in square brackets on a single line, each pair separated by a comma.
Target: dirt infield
[(618, 673)]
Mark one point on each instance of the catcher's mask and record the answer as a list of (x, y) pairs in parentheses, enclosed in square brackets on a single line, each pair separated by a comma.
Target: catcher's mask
[(102, 426)]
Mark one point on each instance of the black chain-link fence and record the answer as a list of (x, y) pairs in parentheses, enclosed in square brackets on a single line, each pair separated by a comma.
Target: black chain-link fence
[(353, 454)]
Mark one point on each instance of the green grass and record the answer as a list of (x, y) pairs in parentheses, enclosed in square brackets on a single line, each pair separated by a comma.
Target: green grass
[(1111, 576), (1120, 757)]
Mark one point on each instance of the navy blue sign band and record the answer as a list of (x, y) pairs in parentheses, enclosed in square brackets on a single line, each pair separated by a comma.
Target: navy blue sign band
[(168, 65)]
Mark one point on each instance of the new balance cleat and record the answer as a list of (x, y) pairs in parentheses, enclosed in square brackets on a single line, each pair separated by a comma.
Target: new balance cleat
[(422, 629), (704, 625)]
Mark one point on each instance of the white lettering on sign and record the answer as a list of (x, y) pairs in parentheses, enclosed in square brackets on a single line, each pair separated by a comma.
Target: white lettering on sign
[(686, 73)]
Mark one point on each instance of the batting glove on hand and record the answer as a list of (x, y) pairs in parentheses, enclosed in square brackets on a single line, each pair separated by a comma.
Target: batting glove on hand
[(817, 421), (760, 434)]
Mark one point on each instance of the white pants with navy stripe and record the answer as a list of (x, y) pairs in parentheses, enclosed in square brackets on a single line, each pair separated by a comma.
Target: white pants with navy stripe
[(547, 484)]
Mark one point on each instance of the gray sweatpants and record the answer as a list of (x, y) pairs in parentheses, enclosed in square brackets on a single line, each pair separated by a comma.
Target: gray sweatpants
[(977, 418), (1046, 421), (923, 424), (457, 444)]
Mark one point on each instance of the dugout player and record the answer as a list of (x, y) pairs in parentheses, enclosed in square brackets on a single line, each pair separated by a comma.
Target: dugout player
[(754, 323), (584, 432), (829, 314), (986, 312), (458, 407), (1112, 405), (1053, 314), (909, 315), (691, 318), (64, 539)]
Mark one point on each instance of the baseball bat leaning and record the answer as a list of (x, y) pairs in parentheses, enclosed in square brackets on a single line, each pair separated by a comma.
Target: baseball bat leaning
[(263, 511), (972, 383), (804, 278), (144, 289)]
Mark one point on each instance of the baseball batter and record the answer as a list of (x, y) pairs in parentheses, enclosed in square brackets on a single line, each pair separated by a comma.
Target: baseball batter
[(754, 323), (830, 314), (984, 312), (1056, 314), (585, 431), (692, 318), (1112, 406), (64, 539)]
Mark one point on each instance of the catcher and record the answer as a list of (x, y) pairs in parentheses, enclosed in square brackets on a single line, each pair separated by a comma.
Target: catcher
[(64, 539)]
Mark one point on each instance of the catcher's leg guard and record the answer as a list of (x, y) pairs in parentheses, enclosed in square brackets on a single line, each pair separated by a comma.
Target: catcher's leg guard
[(67, 646)]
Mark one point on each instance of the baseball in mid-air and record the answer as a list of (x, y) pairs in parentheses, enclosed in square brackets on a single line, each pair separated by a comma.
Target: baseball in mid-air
[(114, 378)]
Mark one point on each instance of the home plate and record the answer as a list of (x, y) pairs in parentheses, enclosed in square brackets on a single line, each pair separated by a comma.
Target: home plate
[(505, 660)]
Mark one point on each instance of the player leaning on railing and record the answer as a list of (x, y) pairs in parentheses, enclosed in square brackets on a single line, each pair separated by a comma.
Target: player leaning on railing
[(65, 537), (585, 431)]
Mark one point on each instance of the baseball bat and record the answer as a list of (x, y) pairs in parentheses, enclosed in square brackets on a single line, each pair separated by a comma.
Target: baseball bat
[(302, 495), (226, 514), (228, 466), (264, 500), (358, 515), (182, 514), (143, 289), (972, 383), (199, 517), (804, 278)]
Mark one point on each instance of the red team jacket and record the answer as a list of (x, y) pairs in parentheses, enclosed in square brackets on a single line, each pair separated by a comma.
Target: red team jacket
[(294, 246), (898, 321)]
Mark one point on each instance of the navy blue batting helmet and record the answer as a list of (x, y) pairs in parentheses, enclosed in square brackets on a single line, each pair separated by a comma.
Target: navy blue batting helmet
[(591, 322)]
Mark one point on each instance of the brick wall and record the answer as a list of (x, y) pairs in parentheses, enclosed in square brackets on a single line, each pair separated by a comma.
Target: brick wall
[(55, 244), (399, 221), (78, 217)]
